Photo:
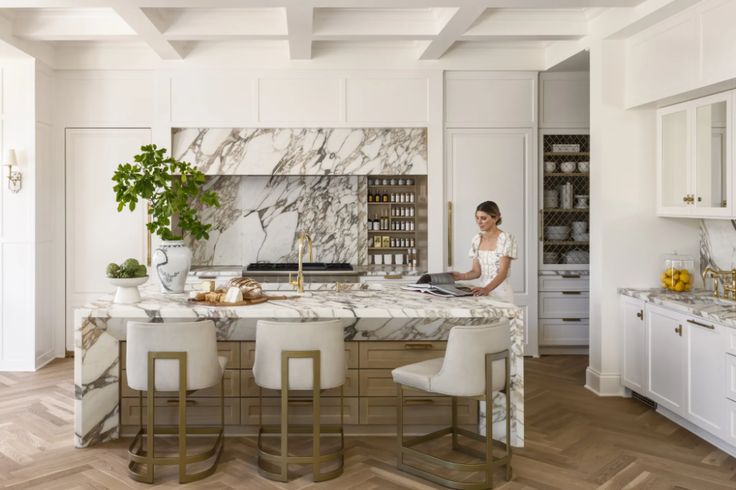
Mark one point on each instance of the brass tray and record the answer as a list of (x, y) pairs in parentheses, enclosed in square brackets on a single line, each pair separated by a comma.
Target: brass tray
[(248, 301)]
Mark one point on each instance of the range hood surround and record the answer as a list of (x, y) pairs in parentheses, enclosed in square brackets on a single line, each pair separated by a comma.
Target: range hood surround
[(275, 182)]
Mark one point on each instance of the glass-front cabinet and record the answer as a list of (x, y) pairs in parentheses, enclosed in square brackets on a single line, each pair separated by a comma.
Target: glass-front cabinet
[(694, 155)]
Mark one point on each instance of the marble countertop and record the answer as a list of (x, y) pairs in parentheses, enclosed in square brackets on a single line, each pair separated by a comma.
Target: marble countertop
[(700, 303), (382, 300), (204, 271)]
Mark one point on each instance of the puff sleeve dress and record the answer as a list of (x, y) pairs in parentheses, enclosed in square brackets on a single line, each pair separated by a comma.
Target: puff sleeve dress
[(490, 263)]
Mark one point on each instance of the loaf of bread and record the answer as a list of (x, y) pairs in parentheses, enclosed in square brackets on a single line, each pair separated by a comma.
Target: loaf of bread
[(248, 287)]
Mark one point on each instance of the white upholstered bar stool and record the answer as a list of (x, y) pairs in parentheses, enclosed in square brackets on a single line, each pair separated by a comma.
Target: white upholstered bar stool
[(476, 365), (172, 357), (300, 356)]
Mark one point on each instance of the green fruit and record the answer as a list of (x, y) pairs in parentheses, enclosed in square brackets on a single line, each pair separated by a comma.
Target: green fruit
[(141, 271), (130, 266), (112, 270)]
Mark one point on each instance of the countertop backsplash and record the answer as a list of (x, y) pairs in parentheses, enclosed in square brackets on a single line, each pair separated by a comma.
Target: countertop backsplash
[(718, 244)]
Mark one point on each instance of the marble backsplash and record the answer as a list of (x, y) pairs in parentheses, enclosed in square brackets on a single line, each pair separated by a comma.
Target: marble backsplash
[(718, 244), (303, 151), (261, 216)]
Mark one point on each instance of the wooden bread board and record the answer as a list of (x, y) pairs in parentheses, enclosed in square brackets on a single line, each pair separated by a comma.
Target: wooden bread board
[(248, 301)]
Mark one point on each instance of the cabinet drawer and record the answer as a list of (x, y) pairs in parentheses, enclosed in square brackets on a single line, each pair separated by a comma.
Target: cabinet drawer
[(378, 382), (417, 411), (389, 355), (249, 387), (231, 383), (563, 332), (249, 355), (565, 282), (230, 350), (731, 377), (567, 304), (200, 411), (729, 340), (299, 412)]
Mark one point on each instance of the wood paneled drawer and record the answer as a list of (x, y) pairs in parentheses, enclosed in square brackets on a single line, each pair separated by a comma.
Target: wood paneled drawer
[(389, 354), (378, 382), (565, 282), (200, 411), (563, 332), (417, 411), (231, 383), (568, 304), (249, 355), (230, 350), (249, 387), (299, 412)]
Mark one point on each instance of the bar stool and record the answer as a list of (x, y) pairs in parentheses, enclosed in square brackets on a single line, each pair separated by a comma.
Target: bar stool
[(173, 357), (476, 365), (300, 356)]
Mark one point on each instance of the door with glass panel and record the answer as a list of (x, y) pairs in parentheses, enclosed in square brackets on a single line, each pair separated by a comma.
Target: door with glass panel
[(673, 162)]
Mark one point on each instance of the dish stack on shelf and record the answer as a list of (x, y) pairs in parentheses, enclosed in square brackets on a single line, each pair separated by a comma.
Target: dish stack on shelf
[(565, 213)]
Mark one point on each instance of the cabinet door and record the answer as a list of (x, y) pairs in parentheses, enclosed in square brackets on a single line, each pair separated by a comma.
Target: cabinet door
[(673, 156), (706, 376), (633, 343), (666, 358), (96, 234), (712, 155)]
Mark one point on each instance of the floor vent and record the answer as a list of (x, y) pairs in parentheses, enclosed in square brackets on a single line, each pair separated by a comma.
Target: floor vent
[(642, 399)]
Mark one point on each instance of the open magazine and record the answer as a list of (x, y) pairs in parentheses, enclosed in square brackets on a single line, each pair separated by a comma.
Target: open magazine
[(440, 284)]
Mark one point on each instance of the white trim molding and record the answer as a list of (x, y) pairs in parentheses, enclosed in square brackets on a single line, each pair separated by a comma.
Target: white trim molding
[(603, 384)]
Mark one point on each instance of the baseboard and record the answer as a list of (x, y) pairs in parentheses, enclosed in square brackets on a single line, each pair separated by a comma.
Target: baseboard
[(703, 434), (44, 359), (603, 384), (552, 350)]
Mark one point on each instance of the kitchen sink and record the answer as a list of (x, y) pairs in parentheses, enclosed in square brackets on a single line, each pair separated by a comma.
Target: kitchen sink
[(294, 266)]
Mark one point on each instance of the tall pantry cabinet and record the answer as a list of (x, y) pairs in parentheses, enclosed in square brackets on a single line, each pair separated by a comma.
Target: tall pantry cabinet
[(490, 148)]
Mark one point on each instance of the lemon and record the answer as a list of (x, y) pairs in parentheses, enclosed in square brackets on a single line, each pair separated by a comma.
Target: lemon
[(685, 276), (663, 277), (680, 286), (687, 287), (668, 272)]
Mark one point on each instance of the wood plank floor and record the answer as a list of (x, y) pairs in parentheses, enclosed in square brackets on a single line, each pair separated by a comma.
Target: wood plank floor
[(574, 440)]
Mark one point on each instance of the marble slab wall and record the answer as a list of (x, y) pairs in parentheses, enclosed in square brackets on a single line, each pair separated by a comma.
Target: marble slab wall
[(303, 151), (718, 244), (261, 216)]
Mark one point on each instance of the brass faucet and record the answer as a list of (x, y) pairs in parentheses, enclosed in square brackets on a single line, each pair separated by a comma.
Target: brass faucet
[(299, 282), (729, 282)]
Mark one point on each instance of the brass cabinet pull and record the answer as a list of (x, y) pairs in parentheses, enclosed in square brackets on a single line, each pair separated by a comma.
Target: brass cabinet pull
[(685, 199), (189, 403), (701, 324), (678, 330), (419, 401), (413, 346), (572, 319), (640, 315), (571, 276), (449, 233), (300, 402), (392, 276), (572, 292)]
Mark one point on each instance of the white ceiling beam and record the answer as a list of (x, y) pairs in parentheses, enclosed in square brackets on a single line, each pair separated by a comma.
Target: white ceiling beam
[(218, 24), (146, 29), (299, 20), (332, 22), (459, 22), (75, 25), (541, 25), (395, 4)]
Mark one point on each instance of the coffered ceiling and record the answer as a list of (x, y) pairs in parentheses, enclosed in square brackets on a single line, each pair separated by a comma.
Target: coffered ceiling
[(172, 28)]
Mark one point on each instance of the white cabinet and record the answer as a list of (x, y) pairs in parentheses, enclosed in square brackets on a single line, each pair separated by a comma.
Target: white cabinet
[(564, 100), (694, 158), (665, 363), (706, 370), (633, 341)]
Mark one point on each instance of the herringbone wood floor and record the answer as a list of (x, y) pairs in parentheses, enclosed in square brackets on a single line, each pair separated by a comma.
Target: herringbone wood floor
[(574, 440)]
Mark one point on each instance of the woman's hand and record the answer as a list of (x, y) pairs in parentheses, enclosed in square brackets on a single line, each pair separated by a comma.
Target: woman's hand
[(457, 275), (484, 291)]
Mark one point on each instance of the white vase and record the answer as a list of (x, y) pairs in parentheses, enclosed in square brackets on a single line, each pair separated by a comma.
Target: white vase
[(172, 261)]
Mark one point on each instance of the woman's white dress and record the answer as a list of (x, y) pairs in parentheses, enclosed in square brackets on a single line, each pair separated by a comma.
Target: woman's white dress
[(490, 262)]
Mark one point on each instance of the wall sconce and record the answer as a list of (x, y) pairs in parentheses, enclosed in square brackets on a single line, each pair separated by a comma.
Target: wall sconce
[(15, 178)]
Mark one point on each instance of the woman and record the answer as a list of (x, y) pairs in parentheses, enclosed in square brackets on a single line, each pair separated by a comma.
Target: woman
[(492, 251)]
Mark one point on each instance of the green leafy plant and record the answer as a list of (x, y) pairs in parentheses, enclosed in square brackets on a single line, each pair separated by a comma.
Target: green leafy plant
[(172, 188), (129, 268)]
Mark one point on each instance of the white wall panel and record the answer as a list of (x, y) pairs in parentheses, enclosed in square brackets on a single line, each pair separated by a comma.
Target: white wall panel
[(490, 99), (386, 100), (17, 307), (220, 97), (299, 100), (105, 99), (719, 42), (564, 100)]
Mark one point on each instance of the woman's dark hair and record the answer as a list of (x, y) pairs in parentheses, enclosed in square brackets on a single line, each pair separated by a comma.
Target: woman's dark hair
[(491, 209)]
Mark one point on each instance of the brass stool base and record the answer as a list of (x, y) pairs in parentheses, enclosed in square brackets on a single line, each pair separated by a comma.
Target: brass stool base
[(315, 460), (138, 456)]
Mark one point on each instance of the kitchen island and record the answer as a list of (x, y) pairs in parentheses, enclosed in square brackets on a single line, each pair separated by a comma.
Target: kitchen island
[(371, 314)]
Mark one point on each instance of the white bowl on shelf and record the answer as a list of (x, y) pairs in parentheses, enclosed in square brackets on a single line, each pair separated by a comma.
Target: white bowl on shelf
[(581, 237), (583, 167), (550, 167), (577, 257), (556, 232), (568, 167), (127, 289)]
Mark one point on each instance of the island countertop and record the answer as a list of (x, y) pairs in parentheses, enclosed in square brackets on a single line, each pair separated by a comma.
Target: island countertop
[(370, 312)]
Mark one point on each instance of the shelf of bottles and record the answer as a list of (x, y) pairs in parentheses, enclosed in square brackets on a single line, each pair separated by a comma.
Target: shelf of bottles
[(392, 219), (565, 212)]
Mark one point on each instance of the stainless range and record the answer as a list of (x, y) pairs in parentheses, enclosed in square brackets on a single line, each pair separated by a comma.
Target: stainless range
[(313, 271)]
